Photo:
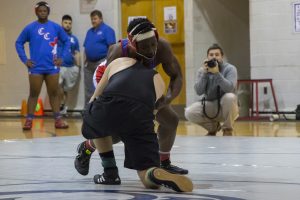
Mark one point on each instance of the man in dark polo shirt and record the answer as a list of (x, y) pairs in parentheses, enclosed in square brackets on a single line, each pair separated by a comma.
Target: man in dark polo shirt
[(96, 44)]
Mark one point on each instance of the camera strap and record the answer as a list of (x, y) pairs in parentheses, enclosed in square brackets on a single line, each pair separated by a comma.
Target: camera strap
[(218, 99)]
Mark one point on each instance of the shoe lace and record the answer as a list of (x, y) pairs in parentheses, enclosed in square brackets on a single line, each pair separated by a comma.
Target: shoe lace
[(169, 165), (167, 186), (83, 158), (60, 122), (174, 167), (28, 122)]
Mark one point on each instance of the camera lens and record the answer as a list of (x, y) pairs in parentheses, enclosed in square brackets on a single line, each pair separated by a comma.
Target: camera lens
[(211, 63)]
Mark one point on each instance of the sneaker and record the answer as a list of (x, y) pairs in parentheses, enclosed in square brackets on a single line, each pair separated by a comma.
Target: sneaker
[(214, 133), (64, 110), (211, 133), (227, 132), (82, 160), (28, 125), (176, 182), (109, 177), (61, 124), (61, 107), (104, 179), (166, 165)]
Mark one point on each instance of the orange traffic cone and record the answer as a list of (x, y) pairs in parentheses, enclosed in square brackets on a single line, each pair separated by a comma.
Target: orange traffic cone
[(24, 108), (39, 109)]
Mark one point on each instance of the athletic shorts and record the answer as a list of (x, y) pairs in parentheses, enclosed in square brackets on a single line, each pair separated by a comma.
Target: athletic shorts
[(40, 71), (68, 77), (129, 120)]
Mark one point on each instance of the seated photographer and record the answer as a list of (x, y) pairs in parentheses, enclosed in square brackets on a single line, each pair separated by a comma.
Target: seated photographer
[(216, 84)]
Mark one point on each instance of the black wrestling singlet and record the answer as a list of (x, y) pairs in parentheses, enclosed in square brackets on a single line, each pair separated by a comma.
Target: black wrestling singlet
[(135, 82), (126, 105)]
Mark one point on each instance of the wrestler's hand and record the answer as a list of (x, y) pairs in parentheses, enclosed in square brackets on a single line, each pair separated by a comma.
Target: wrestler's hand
[(29, 63), (57, 62)]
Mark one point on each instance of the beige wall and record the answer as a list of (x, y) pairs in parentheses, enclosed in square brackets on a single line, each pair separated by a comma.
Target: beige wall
[(206, 22), (225, 22), (14, 16), (275, 49)]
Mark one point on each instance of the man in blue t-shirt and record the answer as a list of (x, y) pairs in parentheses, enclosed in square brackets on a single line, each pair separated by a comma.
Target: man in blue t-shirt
[(43, 64), (70, 68), (97, 41)]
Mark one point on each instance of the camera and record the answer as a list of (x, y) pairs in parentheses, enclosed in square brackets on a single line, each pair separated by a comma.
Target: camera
[(212, 63)]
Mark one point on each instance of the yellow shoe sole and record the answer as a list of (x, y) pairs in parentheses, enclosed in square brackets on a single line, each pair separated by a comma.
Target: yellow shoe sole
[(181, 182)]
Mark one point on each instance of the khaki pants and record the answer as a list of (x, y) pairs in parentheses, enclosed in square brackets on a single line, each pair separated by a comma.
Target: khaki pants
[(89, 70), (228, 113), (68, 77)]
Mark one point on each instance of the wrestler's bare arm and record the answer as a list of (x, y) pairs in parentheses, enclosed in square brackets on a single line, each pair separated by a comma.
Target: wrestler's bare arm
[(172, 68), (115, 66), (114, 52)]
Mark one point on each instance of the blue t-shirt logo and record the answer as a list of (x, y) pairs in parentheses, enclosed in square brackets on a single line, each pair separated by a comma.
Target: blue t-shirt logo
[(41, 32), (72, 40), (54, 45), (99, 33)]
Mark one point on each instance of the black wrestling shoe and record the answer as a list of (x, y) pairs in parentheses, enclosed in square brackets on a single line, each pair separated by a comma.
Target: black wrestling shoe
[(109, 177), (166, 164), (179, 183), (82, 160)]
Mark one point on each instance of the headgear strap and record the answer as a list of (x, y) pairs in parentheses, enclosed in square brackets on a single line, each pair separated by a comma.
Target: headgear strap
[(42, 3), (143, 36), (130, 33)]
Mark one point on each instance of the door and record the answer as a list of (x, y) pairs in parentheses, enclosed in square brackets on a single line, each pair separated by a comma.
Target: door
[(170, 29)]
